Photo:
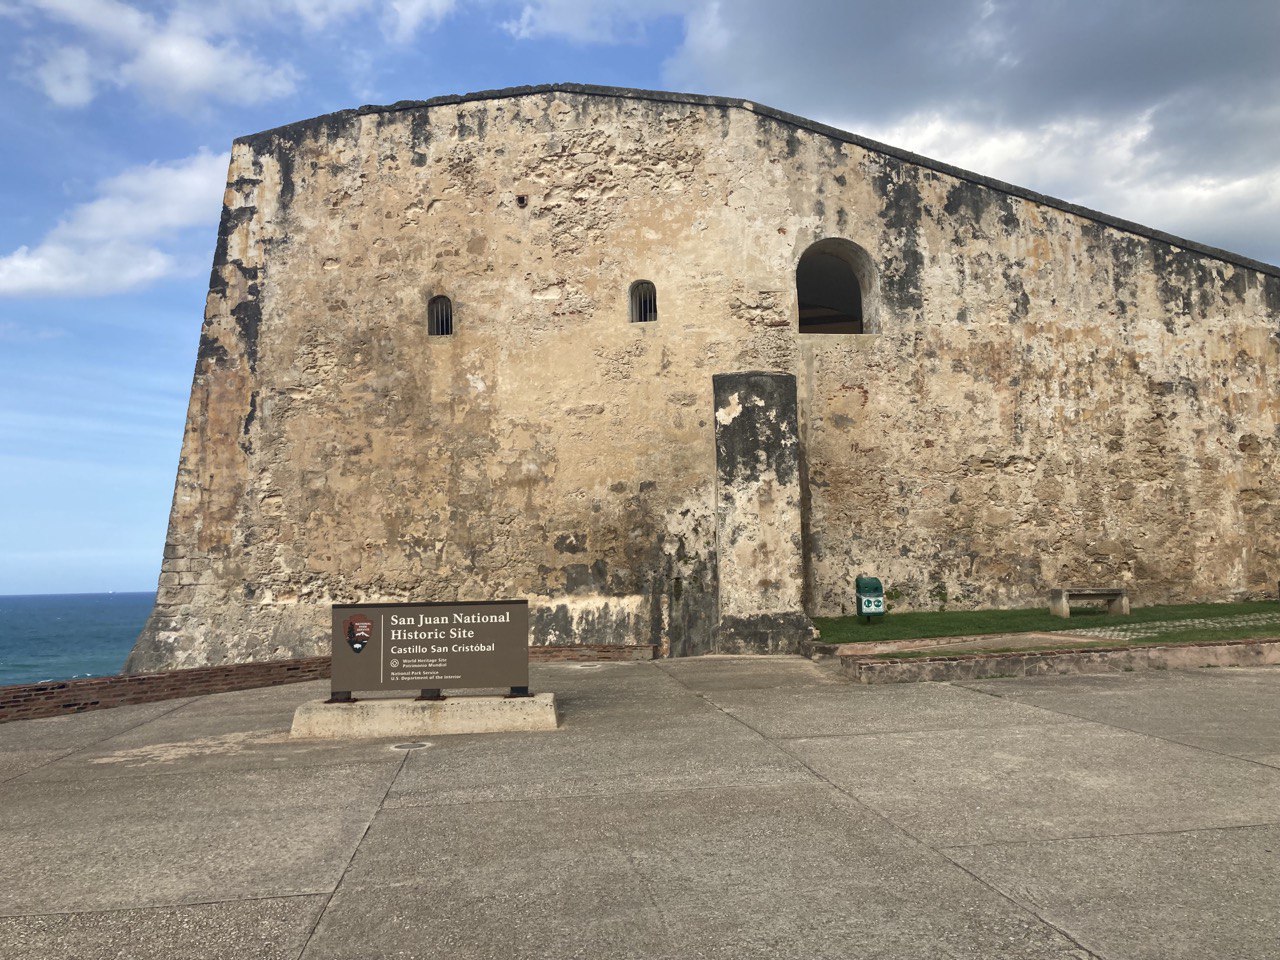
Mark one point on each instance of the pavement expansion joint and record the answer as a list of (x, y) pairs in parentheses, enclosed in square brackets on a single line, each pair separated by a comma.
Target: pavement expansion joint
[(963, 844), (92, 744), (901, 731), (1124, 729), (1110, 836), (1032, 908), (140, 773), (941, 853), (354, 852), (168, 905), (630, 790)]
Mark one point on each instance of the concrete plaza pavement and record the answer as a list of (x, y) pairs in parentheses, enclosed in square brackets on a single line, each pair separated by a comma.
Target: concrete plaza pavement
[(717, 807)]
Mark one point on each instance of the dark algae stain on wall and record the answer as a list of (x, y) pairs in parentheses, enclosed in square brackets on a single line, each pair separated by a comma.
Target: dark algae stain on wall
[(1047, 395)]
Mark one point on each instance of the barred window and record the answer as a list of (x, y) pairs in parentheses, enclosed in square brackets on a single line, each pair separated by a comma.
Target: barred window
[(440, 317), (644, 302)]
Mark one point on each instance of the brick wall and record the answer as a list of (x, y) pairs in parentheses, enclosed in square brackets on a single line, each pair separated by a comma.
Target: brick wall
[(60, 697)]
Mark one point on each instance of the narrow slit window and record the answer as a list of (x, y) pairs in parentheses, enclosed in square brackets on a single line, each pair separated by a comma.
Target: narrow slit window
[(644, 302), (440, 317)]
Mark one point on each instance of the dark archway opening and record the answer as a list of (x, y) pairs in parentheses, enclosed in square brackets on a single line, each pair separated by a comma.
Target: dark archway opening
[(829, 293)]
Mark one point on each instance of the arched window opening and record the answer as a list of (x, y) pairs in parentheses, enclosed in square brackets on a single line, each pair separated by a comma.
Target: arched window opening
[(830, 296), (440, 317), (644, 302), (834, 284)]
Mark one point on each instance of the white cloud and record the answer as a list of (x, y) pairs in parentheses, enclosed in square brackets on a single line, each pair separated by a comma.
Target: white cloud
[(108, 20), (1109, 165), (68, 76), (706, 33), (173, 62), (117, 241), (178, 68), (1051, 156), (406, 16), (399, 19), (197, 51), (319, 14), (589, 21)]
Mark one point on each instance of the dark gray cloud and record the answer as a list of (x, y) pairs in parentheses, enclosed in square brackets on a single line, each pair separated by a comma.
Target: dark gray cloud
[(1009, 61), (1169, 111)]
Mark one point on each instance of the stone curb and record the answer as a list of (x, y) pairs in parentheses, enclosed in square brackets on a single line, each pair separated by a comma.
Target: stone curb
[(594, 652), (403, 717), (981, 666), (58, 698), (817, 650)]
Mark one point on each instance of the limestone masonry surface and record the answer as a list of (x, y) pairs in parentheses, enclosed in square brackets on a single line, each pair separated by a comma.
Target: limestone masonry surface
[(1040, 395)]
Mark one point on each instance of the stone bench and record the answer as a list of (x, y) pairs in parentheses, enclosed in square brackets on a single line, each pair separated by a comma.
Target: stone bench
[(1116, 599)]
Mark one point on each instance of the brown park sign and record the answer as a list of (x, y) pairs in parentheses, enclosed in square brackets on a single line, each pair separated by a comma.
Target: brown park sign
[(430, 646)]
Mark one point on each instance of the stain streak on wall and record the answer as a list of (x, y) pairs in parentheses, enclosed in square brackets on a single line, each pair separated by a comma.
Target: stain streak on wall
[(1050, 399)]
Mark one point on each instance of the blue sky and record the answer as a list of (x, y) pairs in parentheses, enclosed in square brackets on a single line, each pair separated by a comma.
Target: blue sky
[(117, 116)]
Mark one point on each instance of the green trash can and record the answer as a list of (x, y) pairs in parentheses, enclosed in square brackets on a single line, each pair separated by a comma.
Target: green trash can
[(870, 593)]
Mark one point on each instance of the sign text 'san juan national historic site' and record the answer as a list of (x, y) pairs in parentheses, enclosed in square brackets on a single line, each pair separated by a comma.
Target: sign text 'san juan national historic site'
[(421, 646)]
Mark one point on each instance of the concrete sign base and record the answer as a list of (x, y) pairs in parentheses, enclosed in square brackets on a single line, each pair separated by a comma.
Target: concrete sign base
[(366, 719)]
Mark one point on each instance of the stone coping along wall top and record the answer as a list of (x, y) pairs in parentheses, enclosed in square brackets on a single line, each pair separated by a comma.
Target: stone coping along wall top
[(295, 131)]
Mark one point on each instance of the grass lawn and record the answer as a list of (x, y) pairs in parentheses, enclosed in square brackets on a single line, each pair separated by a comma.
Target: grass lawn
[(910, 626)]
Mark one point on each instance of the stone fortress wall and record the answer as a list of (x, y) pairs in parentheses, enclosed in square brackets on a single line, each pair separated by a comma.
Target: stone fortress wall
[(1046, 395)]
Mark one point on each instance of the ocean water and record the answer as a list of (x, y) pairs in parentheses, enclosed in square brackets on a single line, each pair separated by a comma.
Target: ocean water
[(68, 635)]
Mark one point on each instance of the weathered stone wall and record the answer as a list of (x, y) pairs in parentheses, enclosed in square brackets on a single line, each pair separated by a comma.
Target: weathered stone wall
[(1049, 399)]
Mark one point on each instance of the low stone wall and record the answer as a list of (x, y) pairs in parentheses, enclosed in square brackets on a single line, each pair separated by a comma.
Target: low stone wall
[(593, 652), (981, 666), (817, 650), (60, 697)]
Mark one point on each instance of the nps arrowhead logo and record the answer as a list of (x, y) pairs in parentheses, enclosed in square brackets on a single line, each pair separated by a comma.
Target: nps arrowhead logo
[(359, 631)]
